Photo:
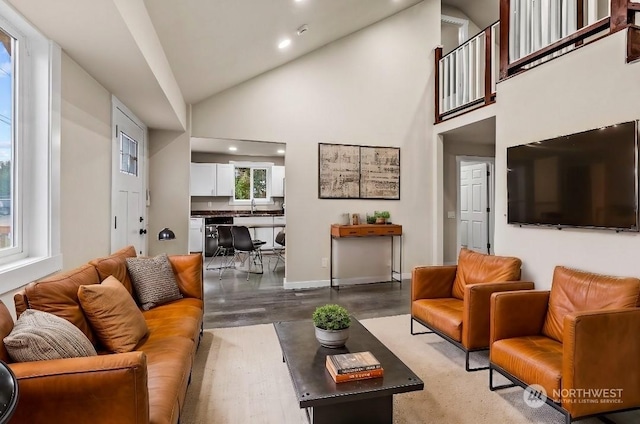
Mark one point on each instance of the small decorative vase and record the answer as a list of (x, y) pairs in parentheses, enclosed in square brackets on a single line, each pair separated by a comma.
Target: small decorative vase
[(332, 338), (381, 220)]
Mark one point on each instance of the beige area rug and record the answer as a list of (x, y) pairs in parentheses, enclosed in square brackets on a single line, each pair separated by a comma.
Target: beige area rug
[(239, 377)]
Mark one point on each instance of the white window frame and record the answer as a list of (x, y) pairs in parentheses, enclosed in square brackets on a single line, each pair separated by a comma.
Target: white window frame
[(37, 167), (253, 165)]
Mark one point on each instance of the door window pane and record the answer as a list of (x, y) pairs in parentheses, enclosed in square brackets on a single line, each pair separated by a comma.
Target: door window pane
[(7, 141), (128, 155)]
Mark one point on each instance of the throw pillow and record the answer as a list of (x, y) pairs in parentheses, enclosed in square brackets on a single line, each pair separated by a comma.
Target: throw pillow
[(39, 335), (113, 315), (153, 280)]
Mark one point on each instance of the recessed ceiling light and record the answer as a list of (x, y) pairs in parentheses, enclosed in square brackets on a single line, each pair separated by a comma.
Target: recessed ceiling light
[(281, 151), (284, 43), (233, 149)]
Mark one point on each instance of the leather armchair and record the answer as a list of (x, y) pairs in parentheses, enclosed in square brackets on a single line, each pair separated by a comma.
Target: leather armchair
[(454, 301), (578, 341)]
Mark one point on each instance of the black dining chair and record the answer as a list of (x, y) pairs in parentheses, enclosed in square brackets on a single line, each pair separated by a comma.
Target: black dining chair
[(243, 244), (224, 250), (279, 251)]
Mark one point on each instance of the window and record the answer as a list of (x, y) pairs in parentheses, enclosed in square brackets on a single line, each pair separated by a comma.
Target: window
[(7, 142), (29, 152), (128, 155), (252, 183)]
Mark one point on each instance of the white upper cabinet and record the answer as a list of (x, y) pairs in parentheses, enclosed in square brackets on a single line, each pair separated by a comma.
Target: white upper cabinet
[(277, 181), (203, 179), (224, 179)]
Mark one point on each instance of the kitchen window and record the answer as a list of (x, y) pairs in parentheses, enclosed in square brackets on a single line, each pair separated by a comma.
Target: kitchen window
[(29, 152), (252, 183)]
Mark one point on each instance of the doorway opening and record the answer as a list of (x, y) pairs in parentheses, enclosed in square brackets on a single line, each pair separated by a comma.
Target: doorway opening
[(475, 206)]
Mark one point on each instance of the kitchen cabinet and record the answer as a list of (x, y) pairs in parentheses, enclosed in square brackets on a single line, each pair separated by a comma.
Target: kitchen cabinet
[(277, 181), (225, 179), (203, 179), (196, 235)]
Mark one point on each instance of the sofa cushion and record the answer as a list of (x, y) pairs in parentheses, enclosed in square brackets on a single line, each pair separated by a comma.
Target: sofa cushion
[(533, 360), (113, 314), (443, 314), (58, 295), (577, 291), (116, 265), (181, 318), (474, 267), (40, 336), (153, 280)]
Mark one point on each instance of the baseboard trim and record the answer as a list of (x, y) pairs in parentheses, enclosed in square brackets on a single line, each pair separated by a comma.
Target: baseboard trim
[(310, 284)]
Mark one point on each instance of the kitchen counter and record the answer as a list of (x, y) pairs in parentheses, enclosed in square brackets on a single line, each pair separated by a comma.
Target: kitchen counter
[(222, 213)]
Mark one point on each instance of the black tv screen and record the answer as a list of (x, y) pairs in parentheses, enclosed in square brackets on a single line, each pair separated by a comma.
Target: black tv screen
[(587, 179)]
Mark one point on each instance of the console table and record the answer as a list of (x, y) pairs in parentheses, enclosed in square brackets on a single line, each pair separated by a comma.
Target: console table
[(365, 231)]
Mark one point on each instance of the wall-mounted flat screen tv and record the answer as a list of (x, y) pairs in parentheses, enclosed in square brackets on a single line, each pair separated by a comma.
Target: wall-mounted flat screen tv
[(588, 179)]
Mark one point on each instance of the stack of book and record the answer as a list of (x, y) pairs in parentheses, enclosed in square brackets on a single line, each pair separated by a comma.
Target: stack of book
[(353, 366)]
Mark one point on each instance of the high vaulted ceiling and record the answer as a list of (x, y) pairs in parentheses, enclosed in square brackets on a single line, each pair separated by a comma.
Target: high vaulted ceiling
[(157, 55), (214, 45)]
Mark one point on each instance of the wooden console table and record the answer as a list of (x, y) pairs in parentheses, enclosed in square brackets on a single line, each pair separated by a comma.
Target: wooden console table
[(365, 231)]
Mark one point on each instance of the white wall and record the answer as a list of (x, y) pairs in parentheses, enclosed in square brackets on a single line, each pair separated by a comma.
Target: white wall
[(169, 159), (374, 87), (554, 99), (85, 186), (449, 32)]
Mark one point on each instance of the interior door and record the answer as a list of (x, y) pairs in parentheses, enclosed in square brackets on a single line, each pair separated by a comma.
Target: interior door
[(128, 193), (474, 213)]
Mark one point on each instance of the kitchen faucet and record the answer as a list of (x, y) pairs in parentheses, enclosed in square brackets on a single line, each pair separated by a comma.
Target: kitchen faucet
[(253, 205)]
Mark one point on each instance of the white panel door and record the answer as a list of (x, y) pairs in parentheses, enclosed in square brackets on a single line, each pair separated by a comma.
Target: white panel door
[(474, 216), (128, 193)]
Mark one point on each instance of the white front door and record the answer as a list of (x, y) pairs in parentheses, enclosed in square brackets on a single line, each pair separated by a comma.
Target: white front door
[(474, 212), (128, 193)]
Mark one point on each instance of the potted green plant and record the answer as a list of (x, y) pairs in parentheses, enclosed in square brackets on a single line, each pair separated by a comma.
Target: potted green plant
[(332, 325), (382, 216)]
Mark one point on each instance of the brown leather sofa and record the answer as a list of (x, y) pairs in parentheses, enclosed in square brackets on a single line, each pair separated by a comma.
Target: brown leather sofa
[(578, 341), (147, 385), (454, 301)]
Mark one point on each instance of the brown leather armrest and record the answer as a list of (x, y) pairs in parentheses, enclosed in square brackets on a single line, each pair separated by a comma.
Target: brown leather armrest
[(188, 271), (517, 314), (431, 282), (476, 312), (99, 389), (601, 350)]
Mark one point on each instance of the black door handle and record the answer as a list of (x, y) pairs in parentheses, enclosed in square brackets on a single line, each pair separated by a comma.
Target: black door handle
[(143, 231)]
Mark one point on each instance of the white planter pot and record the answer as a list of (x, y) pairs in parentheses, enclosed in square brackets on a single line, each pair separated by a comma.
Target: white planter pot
[(332, 338)]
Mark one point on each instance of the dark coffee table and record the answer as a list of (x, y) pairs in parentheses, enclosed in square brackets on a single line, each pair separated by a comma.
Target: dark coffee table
[(362, 401)]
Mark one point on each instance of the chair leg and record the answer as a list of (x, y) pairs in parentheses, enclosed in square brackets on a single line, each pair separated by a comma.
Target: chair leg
[(466, 363), (215, 254), (413, 333), (494, 388)]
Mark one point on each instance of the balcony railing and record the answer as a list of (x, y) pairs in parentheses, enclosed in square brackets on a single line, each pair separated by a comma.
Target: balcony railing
[(466, 76), (529, 32), (534, 31)]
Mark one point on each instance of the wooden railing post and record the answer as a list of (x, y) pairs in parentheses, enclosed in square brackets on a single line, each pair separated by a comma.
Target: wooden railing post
[(488, 49), (438, 56), (505, 14), (620, 15)]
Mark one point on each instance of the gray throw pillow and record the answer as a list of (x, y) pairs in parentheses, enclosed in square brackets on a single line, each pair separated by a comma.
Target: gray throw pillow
[(153, 280), (39, 335)]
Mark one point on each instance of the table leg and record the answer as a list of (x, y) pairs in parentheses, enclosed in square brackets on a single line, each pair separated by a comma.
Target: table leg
[(371, 411)]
